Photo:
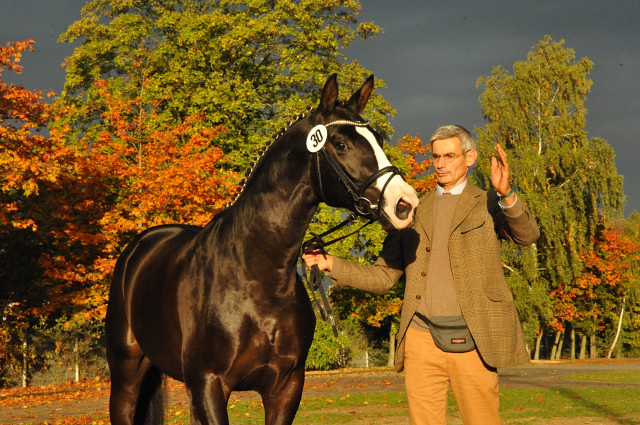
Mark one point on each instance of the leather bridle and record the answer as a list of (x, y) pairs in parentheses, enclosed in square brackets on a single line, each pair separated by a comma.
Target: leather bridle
[(361, 204)]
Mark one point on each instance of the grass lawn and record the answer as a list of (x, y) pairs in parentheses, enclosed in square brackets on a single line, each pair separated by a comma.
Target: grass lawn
[(517, 406), (576, 405), (620, 405)]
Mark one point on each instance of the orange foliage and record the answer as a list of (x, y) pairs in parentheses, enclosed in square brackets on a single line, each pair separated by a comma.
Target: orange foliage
[(30, 165), (26, 158), (131, 177), (85, 199), (379, 311), (416, 153), (605, 281)]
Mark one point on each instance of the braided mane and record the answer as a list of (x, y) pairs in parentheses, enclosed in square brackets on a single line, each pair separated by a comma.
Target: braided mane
[(261, 154)]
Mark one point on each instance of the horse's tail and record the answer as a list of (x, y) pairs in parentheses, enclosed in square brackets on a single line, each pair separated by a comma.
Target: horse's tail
[(151, 401)]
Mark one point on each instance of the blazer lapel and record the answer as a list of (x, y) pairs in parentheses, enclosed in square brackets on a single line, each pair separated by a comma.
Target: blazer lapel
[(424, 214), (468, 200)]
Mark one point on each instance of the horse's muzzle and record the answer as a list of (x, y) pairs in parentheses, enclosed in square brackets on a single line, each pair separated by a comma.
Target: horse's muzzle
[(399, 203), (403, 209)]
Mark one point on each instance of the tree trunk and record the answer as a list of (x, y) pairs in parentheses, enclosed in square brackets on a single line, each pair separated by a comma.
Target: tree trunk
[(392, 347), (583, 347), (76, 359), (25, 373), (560, 344), (615, 340), (593, 350), (555, 346), (573, 343), (536, 356)]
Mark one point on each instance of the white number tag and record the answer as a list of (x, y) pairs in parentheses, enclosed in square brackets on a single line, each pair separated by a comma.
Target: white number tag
[(316, 138)]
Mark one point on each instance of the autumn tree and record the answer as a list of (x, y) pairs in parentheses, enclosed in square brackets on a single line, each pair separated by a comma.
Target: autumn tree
[(136, 174), (251, 66), (608, 287), (31, 165), (68, 208), (568, 180), (24, 151)]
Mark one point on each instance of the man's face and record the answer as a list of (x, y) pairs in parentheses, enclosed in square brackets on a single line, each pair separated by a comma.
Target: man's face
[(451, 174)]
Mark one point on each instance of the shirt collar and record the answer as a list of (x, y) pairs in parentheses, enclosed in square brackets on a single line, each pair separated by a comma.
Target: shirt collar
[(455, 191)]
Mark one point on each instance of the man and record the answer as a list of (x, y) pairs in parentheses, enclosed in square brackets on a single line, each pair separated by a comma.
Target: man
[(451, 259)]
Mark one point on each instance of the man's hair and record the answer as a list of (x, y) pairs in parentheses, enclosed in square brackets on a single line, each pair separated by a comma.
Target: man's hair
[(447, 131)]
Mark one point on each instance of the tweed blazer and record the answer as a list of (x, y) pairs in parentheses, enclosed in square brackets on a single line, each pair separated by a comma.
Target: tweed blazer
[(477, 229)]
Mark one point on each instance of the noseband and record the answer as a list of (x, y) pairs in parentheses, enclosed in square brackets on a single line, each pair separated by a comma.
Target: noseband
[(361, 204)]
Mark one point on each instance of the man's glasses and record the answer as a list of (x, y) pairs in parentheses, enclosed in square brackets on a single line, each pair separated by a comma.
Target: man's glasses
[(448, 157)]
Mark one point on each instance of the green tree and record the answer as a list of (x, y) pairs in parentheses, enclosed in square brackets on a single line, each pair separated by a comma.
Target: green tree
[(568, 180), (632, 225), (631, 335), (251, 66)]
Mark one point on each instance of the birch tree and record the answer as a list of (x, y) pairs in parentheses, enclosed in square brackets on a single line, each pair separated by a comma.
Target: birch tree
[(568, 180)]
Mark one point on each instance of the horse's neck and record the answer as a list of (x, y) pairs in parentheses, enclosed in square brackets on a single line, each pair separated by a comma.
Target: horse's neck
[(275, 208), (281, 213)]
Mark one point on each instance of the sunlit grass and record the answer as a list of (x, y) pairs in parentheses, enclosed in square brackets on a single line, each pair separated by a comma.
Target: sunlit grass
[(370, 407), (516, 405), (619, 404)]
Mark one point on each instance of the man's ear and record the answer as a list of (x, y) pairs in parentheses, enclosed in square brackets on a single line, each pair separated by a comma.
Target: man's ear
[(470, 157)]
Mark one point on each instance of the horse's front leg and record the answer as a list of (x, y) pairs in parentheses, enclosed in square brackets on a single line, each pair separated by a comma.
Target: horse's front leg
[(209, 397), (281, 408)]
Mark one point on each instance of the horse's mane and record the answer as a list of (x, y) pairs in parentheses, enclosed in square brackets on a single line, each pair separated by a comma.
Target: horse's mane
[(261, 154)]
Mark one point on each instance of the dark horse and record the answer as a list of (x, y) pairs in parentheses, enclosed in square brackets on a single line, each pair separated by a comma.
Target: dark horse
[(221, 308)]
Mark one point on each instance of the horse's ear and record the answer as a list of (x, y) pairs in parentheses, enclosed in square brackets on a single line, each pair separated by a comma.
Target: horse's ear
[(360, 98), (329, 95)]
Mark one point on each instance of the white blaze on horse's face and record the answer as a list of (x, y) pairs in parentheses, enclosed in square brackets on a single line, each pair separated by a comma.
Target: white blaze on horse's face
[(400, 200)]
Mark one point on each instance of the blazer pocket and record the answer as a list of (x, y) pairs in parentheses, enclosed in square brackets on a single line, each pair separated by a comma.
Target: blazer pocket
[(471, 224), (497, 294)]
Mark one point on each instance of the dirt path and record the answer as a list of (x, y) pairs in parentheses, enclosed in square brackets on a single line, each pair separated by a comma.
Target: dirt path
[(557, 374), (40, 404)]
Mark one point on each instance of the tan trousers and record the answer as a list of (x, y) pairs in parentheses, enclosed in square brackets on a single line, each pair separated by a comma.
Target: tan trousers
[(428, 373)]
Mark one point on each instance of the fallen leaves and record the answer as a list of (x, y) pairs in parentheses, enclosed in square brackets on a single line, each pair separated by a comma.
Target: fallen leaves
[(50, 394), (87, 403)]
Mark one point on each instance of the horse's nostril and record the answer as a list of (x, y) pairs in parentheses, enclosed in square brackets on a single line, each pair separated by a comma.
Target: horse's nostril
[(403, 208)]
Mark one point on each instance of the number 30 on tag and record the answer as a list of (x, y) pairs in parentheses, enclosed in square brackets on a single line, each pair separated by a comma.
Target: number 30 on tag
[(316, 138)]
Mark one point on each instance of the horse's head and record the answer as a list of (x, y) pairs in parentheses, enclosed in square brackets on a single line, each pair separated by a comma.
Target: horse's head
[(352, 170)]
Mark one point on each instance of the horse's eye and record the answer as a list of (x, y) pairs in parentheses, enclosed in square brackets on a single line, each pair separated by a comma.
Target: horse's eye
[(341, 146)]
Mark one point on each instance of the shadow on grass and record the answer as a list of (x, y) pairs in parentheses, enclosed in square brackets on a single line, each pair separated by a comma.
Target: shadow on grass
[(600, 408)]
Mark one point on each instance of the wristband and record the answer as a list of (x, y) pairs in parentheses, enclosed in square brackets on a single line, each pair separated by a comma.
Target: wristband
[(501, 197), (507, 195)]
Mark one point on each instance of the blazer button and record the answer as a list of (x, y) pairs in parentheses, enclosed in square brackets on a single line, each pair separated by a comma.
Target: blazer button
[(423, 274), (418, 297), (428, 249)]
